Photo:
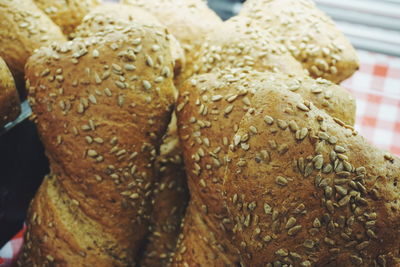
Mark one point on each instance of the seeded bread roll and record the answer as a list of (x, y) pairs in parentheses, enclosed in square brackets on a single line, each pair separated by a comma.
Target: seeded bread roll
[(239, 43), (309, 34), (188, 20), (24, 28), (101, 112), (9, 100), (108, 16), (290, 184), (170, 199), (67, 14)]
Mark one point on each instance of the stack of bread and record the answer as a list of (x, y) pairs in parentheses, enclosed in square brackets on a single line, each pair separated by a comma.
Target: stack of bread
[(176, 139)]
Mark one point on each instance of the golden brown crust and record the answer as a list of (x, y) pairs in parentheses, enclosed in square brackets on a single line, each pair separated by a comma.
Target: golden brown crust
[(101, 107), (9, 100), (239, 43), (24, 28), (188, 20), (170, 200), (290, 184), (108, 16), (309, 35), (67, 14)]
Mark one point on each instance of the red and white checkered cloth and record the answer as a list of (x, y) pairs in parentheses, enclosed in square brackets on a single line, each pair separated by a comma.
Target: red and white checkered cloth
[(376, 87), (9, 253)]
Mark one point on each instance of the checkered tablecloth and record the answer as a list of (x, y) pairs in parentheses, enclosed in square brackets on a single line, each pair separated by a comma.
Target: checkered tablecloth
[(376, 87)]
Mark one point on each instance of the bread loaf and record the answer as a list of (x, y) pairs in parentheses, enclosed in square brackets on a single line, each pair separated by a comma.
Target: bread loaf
[(281, 182), (308, 34), (67, 14), (108, 16), (239, 43), (102, 105), (188, 20), (9, 100), (24, 28), (170, 199)]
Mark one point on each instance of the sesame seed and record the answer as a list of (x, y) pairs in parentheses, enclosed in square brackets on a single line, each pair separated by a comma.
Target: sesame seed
[(316, 90), (92, 153), (269, 120), (159, 79), (308, 243), (232, 98), (302, 107), (149, 61), (228, 109), (293, 126), (88, 139), (282, 124), (107, 91), (356, 260), (98, 140), (166, 72), (246, 101), (253, 129), (114, 176), (134, 196), (282, 252), (45, 72), (146, 84), (236, 139), (301, 134), (130, 67), (92, 99), (339, 149), (281, 181), (216, 97), (267, 208), (155, 48), (95, 53), (318, 162), (120, 84), (290, 223)]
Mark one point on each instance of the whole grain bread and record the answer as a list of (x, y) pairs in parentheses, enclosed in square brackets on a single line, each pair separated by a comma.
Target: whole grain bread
[(101, 111), (278, 181)]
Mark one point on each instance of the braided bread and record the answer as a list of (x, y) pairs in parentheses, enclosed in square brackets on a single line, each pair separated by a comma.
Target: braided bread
[(102, 105), (277, 181)]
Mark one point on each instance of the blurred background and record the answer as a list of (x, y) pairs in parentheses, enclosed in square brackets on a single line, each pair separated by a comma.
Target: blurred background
[(373, 26)]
